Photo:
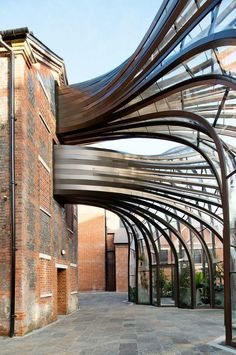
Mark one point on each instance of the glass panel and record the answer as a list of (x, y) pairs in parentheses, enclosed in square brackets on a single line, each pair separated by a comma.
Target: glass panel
[(167, 285), (176, 75), (229, 110), (199, 31), (187, 12), (185, 284), (143, 275), (226, 56), (202, 284), (203, 63), (233, 304), (132, 272), (143, 287), (164, 256), (154, 285), (170, 34), (132, 288), (226, 15), (219, 283), (232, 213), (232, 210)]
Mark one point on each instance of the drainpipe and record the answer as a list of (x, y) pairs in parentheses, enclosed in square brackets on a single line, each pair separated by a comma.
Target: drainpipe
[(12, 183)]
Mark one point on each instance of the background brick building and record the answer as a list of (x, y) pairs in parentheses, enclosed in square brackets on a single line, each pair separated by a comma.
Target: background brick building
[(102, 250), (91, 248), (46, 232)]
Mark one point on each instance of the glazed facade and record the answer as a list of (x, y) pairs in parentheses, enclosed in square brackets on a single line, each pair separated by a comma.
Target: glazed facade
[(179, 85)]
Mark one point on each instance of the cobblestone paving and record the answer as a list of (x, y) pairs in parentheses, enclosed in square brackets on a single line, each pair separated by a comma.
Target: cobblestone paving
[(106, 324)]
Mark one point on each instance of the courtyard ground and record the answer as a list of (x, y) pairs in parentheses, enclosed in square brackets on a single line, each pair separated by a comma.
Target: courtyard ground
[(107, 324)]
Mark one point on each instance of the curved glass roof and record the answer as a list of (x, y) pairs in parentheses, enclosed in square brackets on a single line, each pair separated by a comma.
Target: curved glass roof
[(179, 85)]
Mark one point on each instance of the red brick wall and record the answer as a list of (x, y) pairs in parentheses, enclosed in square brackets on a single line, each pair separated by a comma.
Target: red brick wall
[(40, 220), (44, 187), (4, 199), (73, 279), (91, 250), (121, 267), (45, 276)]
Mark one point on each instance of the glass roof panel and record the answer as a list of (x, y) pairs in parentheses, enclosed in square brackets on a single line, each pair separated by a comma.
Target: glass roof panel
[(199, 31), (177, 75), (227, 59), (203, 63), (226, 17)]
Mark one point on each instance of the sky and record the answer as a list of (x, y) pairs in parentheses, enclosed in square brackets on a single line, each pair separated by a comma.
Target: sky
[(92, 36)]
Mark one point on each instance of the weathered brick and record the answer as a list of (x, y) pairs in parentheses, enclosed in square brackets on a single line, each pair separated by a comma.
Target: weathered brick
[(31, 265), (37, 232), (45, 234), (31, 89), (31, 226), (30, 126)]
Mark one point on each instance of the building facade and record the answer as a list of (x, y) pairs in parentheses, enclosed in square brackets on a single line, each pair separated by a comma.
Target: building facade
[(46, 231), (91, 249), (102, 251)]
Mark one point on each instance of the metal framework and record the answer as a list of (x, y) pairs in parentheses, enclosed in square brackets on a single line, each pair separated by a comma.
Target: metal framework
[(179, 85)]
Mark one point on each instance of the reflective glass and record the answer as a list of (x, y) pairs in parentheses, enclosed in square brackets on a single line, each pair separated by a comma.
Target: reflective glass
[(233, 305), (185, 297), (226, 15)]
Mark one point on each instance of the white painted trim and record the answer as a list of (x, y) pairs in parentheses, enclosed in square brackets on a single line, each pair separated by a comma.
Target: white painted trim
[(46, 212), (43, 163), (43, 86), (74, 292), (73, 265), (61, 266), (44, 122), (44, 295), (45, 256)]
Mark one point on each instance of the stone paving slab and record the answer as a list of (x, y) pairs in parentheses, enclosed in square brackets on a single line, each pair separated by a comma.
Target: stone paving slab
[(107, 325)]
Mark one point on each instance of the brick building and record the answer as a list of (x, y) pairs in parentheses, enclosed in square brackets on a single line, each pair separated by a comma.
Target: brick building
[(102, 250), (46, 231), (91, 248)]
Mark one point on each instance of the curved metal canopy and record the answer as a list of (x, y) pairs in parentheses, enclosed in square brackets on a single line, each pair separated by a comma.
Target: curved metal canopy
[(178, 85)]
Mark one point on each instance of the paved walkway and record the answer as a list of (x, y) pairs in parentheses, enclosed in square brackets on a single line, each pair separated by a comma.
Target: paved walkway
[(107, 324)]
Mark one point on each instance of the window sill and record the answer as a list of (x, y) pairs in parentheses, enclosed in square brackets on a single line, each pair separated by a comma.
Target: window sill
[(45, 295)]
